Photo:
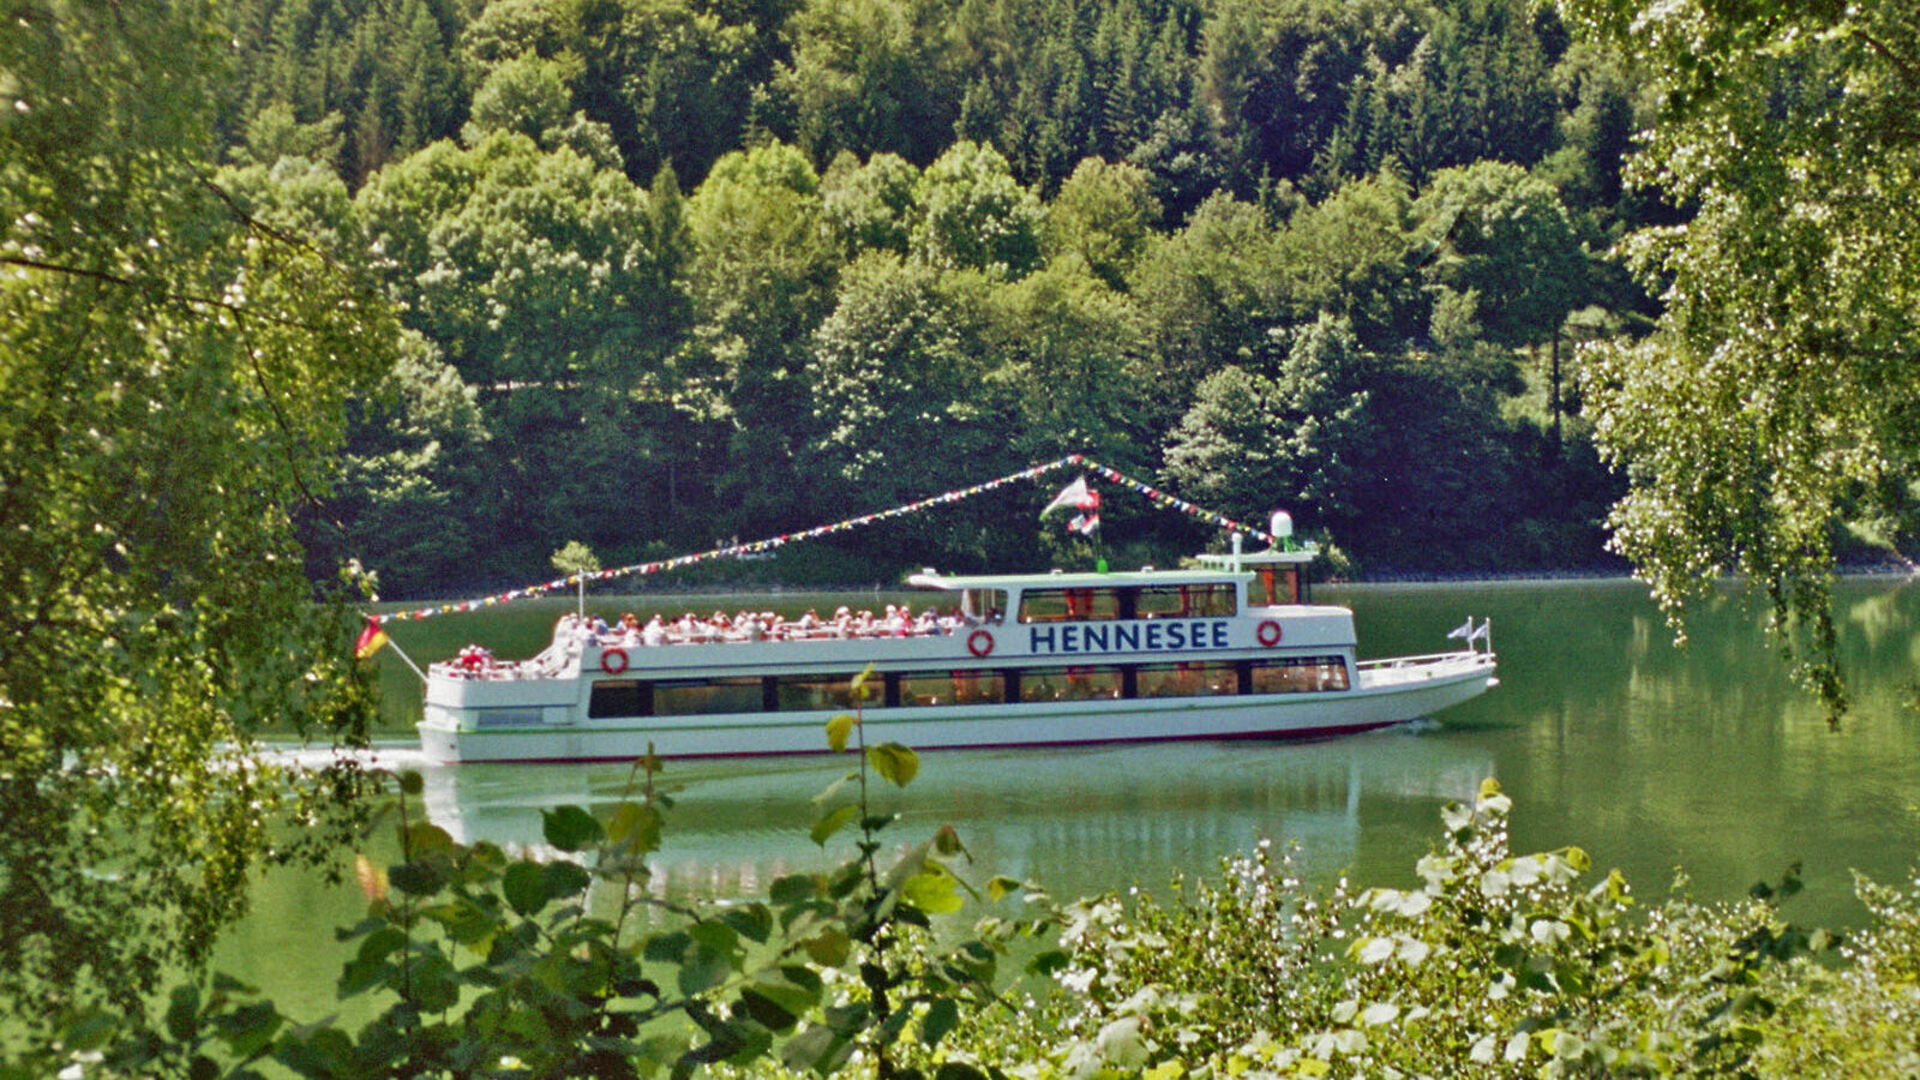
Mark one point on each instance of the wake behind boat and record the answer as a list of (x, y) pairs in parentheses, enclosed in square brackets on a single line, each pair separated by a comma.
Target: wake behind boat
[(1232, 649)]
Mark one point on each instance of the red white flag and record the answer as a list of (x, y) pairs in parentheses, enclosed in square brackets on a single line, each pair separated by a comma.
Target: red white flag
[(1073, 495)]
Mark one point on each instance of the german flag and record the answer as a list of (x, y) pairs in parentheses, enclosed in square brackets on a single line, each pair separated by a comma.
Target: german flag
[(372, 639)]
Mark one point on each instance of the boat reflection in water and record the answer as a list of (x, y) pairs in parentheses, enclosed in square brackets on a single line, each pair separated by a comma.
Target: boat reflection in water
[(1078, 821)]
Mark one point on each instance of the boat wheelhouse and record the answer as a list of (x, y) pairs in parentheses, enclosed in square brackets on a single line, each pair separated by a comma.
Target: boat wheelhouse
[(1233, 649)]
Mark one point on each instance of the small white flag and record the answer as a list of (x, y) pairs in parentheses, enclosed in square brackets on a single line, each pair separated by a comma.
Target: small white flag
[(1464, 631), (1070, 496), (1480, 634)]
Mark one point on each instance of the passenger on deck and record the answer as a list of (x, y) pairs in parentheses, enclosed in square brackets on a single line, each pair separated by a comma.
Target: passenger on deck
[(654, 633)]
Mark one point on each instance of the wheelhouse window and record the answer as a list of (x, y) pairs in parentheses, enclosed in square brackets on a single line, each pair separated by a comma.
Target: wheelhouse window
[(1192, 679), (951, 688), (1299, 674), (1060, 605), (1186, 601), (983, 605), (1085, 682), (702, 697)]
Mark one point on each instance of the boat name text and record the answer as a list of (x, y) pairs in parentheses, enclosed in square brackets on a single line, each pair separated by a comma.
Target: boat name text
[(1122, 637)]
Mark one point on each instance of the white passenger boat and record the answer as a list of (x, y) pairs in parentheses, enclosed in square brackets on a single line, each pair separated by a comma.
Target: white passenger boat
[(1230, 650)]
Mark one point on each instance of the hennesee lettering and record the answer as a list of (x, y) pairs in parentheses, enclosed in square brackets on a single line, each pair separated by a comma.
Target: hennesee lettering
[(1156, 636)]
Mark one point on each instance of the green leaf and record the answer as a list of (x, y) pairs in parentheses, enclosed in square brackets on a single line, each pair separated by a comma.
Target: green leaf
[(895, 762), (411, 783), (362, 974), (1048, 962), (833, 823), (570, 828), (250, 1028), (946, 841), (958, 1070), (703, 969), (525, 887), (1001, 886), (838, 729), (416, 878), (667, 948), (819, 1049), (793, 887), (636, 826), (829, 948), (426, 838), (942, 1017), (183, 1013), (933, 891), (382, 943), (564, 879), (753, 921)]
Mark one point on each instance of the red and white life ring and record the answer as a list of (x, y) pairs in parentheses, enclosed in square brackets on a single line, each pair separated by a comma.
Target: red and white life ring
[(980, 643), (1268, 633), (613, 661)]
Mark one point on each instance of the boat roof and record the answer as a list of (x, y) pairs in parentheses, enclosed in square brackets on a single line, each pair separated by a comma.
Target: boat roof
[(1219, 570), (1290, 556), (1090, 579)]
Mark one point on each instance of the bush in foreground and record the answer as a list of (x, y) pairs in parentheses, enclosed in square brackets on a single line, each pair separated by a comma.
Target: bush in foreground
[(1497, 965)]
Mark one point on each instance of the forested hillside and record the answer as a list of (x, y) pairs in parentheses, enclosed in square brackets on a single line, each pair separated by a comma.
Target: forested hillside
[(673, 270)]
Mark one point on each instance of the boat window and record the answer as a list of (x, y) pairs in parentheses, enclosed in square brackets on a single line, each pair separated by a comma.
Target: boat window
[(1079, 683), (1299, 674), (701, 697), (1059, 605), (1192, 679), (1186, 601), (1280, 585), (618, 698), (798, 693), (952, 687), (983, 605)]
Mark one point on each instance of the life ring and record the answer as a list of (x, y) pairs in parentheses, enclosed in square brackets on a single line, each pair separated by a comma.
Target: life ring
[(1268, 633), (608, 658), (980, 643)]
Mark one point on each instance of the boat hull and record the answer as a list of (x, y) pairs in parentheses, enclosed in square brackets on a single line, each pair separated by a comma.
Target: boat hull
[(1377, 700)]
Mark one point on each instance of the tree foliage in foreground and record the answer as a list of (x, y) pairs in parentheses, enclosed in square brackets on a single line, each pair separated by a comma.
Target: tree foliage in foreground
[(474, 962), (1776, 406), (478, 963), (173, 369)]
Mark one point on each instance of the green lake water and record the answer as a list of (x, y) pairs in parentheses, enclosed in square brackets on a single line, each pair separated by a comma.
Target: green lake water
[(1650, 757)]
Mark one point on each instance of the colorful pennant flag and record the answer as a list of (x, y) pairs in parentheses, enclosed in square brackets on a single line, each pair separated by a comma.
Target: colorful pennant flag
[(372, 639)]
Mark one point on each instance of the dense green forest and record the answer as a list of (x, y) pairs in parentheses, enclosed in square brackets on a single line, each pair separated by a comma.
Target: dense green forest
[(673, 270)]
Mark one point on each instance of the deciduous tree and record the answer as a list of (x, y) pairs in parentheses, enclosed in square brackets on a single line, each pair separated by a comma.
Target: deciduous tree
[(176, 360)]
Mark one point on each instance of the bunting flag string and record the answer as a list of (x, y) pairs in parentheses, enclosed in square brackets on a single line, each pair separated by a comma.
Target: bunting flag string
[(1113, 476)]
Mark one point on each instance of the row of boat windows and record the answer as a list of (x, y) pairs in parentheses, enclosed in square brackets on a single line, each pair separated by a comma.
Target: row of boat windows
[(1084, 682), (1133, 602)]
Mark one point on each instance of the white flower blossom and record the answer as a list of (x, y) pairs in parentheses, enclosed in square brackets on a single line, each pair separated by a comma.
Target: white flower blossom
[(1516, 1047), (1378, 1013), (1494, 883)]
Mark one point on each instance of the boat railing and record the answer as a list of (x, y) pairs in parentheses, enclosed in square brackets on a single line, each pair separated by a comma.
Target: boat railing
[(1424, 659), (1425, 666)]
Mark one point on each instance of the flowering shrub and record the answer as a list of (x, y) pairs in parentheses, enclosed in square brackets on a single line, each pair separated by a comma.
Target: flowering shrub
[(1498, 965)]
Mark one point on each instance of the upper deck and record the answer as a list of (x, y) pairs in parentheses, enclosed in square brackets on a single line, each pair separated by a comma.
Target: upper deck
[(1193, 612)]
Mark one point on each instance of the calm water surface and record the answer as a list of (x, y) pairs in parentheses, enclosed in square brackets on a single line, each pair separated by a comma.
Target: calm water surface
[(1605, 735)]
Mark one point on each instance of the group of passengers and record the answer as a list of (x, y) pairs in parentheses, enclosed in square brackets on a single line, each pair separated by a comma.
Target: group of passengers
[(899, 620)]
